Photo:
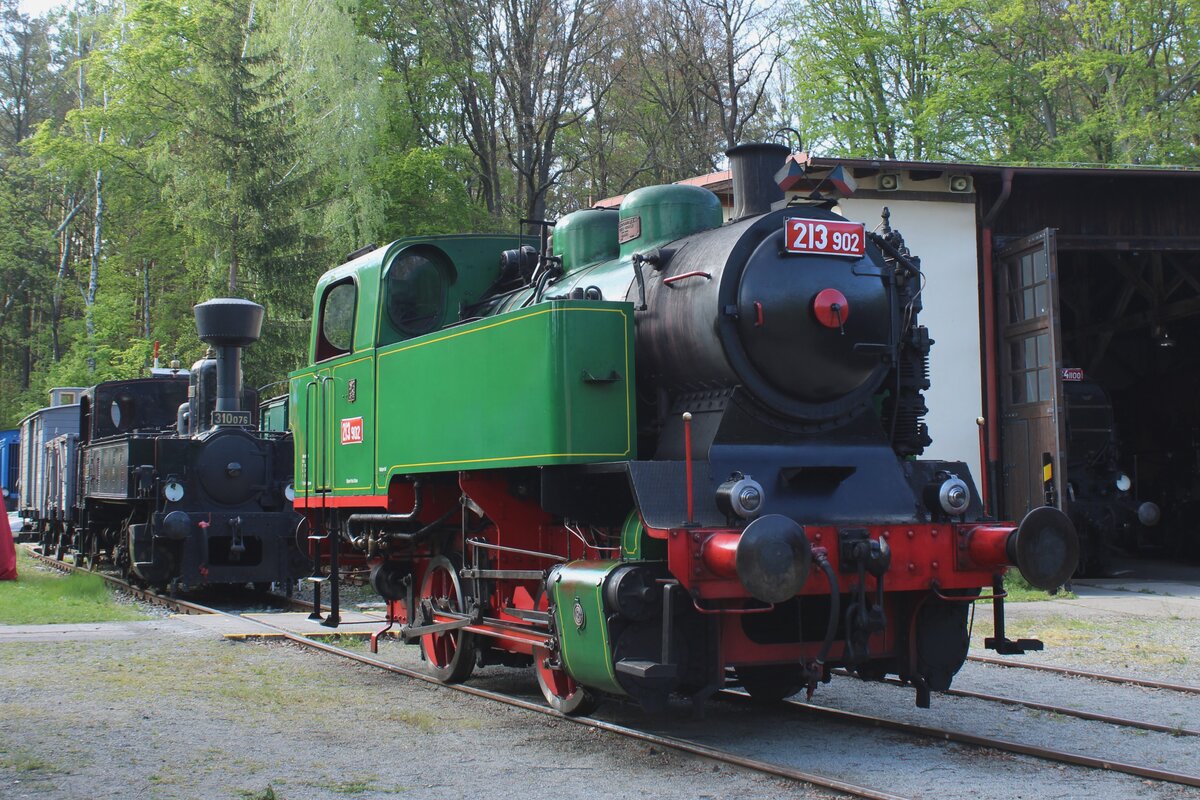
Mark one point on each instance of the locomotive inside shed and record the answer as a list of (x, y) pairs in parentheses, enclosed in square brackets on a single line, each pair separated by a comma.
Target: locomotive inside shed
[(1130, 321), (1097, 312)]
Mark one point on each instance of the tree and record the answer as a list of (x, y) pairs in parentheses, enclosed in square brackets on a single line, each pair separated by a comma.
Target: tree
[(1081, 81), (341, 116), (868, 76), (28, 74), (732, 48), (540, 53)]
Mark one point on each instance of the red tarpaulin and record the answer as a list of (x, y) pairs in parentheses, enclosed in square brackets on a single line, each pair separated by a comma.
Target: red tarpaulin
[(8, 552)]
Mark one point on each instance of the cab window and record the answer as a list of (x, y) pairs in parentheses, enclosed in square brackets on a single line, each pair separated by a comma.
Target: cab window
[(121, 411), (335, 334), (415, 292)]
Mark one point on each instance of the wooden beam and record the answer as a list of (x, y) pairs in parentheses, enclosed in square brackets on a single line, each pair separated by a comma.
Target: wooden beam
[(1183, 271), (1144, 319), (1134, 276)]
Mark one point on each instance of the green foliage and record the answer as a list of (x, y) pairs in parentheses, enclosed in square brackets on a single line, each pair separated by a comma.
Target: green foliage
[(1000, 80), (331, 77), (266, 794), (426, 194), (871, 76), (224, 149)]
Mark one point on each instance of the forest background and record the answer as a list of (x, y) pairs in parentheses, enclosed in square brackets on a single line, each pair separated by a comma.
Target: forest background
[(155, 153)]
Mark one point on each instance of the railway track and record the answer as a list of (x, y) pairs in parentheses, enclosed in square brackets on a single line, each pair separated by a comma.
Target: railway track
[(993, 743), (1066, 711), (696, 748), (1083, 673)]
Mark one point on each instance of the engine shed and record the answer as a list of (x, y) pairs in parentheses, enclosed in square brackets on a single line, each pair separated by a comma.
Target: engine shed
[(1065, 307)]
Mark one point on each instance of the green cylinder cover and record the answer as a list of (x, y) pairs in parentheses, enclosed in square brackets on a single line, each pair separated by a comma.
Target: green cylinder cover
[(656, 215), (577, 594), (586, 237)]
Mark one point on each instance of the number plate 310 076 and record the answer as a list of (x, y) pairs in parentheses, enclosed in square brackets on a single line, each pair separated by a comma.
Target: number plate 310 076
[(826, 237)]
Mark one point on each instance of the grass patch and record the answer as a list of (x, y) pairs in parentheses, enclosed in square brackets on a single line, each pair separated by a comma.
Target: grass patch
[(1019, 590), (416, 719), (351, 787), (41, 596), (26, 764), (266, 794), (1119, 643), (356, 787), (357, 642)]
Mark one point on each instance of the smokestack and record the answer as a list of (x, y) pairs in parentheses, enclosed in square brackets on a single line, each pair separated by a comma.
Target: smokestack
[(229, 324), (754, 166)]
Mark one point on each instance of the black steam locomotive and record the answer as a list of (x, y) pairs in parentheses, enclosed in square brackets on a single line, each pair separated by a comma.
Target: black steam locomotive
[(1102, 501), (173, 482)]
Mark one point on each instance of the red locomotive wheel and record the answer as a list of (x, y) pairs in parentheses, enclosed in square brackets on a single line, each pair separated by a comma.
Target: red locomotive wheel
[(560, 690), (451, 654)]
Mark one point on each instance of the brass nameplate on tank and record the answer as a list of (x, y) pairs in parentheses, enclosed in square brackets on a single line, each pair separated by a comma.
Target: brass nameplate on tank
[(231, 418), (629, 229)]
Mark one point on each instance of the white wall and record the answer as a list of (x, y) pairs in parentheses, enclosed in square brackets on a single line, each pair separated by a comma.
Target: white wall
[(943, 235)]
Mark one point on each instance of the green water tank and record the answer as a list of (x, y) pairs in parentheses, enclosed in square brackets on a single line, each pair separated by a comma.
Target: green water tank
[(586, 237), (656, 215)]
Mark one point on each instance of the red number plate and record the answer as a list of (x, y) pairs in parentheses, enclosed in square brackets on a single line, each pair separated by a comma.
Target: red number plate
[(352, 430), (825, 237)]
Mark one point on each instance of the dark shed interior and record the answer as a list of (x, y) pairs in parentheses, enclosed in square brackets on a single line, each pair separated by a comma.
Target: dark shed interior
[(1128, 264)]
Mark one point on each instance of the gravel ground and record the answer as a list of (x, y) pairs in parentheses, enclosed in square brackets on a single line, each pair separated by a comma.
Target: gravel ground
[(165, 709), (1128, 631), (177, 713), (934, 769)]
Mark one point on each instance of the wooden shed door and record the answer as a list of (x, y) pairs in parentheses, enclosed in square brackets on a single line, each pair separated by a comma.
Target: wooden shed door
[(1033, 428)]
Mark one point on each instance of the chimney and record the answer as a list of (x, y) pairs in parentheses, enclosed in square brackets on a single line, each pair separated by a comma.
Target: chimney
[(229, 324), (754, 166)]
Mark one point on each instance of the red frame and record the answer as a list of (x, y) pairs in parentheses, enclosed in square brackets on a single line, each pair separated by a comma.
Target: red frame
[(925, 557)]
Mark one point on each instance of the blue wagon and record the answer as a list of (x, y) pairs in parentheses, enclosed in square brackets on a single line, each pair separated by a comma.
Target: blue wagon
[(10, 450)]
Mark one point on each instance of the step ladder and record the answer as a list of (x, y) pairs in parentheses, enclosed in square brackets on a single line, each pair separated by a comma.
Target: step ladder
[(318, 578)]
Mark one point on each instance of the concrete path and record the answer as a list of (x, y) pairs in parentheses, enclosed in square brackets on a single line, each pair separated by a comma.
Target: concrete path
[(82, 631), (248, 625), (1143, 598)]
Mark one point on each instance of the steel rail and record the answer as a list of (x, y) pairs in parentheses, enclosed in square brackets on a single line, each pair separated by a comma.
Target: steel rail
[(958, 737), (1124, 722), (1083, 673), (674, 743)]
